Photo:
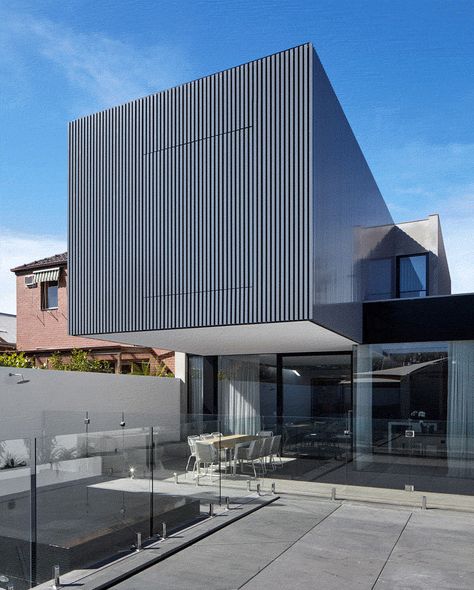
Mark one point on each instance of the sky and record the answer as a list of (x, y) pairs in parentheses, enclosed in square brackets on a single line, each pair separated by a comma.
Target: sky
[(403, 72)]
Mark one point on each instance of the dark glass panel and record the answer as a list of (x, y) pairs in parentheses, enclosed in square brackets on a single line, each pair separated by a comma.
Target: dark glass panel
[(412, 276)]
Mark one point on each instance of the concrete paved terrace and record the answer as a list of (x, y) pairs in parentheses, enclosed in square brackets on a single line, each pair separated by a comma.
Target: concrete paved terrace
[(300, 542)]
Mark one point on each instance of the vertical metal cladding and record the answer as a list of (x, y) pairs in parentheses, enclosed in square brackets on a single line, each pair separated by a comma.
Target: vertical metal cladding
[(193, 207)]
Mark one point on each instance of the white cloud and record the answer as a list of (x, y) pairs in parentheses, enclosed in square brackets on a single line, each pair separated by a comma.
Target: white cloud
[(16, 249), (106, 71)]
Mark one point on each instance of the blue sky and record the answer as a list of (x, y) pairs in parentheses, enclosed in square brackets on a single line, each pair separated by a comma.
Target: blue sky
[(403, 71)]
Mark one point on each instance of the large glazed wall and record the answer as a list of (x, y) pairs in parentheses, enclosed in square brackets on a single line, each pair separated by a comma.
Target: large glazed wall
[(346, 198), (193, 207)]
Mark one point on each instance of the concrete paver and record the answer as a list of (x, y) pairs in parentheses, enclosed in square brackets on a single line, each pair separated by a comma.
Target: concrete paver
[(302, 542), (435, 551)]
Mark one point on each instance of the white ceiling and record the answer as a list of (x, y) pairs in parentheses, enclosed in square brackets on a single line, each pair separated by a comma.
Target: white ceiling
[(301, 336)]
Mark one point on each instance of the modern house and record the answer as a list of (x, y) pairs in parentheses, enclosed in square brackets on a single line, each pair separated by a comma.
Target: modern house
[(7, 332), (42, 312), (235, 218)]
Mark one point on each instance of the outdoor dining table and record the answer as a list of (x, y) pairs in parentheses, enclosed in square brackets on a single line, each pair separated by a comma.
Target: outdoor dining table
[(229, 442)]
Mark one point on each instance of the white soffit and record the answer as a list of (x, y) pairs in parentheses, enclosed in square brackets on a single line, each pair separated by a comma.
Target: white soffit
[(301, 336)]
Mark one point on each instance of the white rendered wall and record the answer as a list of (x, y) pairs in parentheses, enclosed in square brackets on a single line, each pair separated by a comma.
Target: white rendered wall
[(55, 402)]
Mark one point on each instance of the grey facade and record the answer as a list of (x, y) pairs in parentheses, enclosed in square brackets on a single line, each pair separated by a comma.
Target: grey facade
[(381, 246), (228, 201), (236, 219)]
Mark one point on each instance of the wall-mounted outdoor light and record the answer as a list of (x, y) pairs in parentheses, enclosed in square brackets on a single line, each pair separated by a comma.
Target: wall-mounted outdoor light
[(21, 378)]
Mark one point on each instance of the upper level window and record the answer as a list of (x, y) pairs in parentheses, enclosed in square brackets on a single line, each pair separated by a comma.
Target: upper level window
[(49, 295), (412, 276)]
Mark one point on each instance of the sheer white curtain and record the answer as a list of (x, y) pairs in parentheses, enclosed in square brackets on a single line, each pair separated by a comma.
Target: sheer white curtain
[(460, 427), (195, 372), (239, 394)]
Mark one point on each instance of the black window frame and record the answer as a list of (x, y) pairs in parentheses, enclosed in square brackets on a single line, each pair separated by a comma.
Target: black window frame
[(426, 291), (210, 385), (44, 295)]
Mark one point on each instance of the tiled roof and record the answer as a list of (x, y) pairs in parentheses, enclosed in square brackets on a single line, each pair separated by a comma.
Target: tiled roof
[(56, 260)]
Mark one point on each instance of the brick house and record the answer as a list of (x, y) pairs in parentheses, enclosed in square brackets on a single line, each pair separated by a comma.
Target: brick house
[(7, 332), (42, 316)]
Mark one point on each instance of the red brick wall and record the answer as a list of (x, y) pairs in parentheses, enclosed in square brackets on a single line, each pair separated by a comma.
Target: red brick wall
[(39, 329), (45, 329)]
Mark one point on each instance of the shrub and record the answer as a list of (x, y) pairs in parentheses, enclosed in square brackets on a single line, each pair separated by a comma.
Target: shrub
[(15, 359), (144, 369), (79, 361)]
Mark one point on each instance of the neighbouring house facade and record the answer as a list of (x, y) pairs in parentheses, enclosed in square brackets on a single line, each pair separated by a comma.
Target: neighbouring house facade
[(7, 332), (235, 218), (42, 322)]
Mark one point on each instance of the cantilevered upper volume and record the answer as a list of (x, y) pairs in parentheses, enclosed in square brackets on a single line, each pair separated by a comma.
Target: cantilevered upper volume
[(222, 215)]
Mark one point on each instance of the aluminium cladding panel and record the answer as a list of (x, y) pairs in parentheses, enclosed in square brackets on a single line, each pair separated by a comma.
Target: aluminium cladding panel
[(346, 198), (193, 207)]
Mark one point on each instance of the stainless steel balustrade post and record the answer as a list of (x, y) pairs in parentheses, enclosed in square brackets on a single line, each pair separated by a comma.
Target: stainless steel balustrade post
[(56, 577)]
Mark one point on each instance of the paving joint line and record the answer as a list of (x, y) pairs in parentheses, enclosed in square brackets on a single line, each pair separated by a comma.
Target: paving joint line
[(391, 551), (170, 551), (288, 548)]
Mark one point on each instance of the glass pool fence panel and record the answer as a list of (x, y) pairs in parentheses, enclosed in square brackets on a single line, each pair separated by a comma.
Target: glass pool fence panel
[(92, 497), (315, 449), (15, 509), (420, 455), (187, 470)]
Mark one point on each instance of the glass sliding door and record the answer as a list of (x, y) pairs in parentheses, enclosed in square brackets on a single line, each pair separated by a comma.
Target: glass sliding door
[(317, 405)]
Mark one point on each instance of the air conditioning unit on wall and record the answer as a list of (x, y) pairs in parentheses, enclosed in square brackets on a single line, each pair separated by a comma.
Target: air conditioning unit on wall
[(30, 281)]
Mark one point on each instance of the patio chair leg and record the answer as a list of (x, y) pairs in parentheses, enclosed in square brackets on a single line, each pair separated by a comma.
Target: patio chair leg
[(189, 461)]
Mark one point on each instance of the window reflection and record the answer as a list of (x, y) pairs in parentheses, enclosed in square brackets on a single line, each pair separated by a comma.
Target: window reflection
[(412, 276), (420, 388)]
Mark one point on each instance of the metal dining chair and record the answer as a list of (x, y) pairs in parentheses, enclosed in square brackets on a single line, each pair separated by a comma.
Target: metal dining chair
[(192, 449), (266, 451), (275, 451), (206, 455), (250, 454)]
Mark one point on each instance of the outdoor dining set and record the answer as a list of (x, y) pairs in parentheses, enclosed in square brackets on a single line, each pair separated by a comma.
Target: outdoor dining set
[(213, 452)]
